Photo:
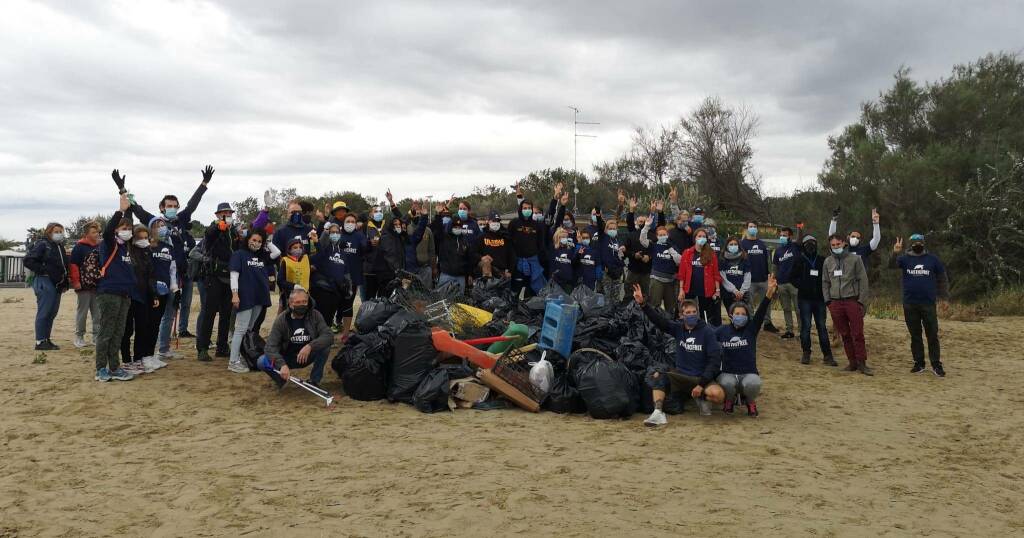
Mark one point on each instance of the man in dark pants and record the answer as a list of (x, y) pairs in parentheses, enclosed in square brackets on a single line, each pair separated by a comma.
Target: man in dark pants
[(806, 276), (219, 245), (299, 337), (924, 281)]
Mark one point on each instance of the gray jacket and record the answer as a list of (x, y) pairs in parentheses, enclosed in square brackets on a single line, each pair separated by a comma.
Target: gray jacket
[(316, 326), (851, 282)]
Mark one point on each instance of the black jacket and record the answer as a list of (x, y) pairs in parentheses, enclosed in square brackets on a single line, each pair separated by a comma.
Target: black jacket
[(389, 256), (498, 245), (457, 255), (48, 259)]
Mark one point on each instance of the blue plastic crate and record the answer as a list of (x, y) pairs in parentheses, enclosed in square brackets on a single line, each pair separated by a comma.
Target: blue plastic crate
[(558, 327)]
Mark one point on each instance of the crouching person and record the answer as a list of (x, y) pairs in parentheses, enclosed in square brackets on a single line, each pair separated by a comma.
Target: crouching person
[(739, 351), (698, 359), (300, 337)]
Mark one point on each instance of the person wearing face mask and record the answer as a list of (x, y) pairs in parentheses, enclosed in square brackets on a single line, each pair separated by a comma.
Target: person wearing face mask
[(589, 258), (145, 302), (219, 243), (295, 227), (612, 256), (844, 287), (697, 220), (497, 258), (783, 259), (419, 246), (338, 212), (712, 227), (526, 235), (664, 266), (855, 242), (113, 293), (596, 224), (681, 235), (165, 272), (759, 258), (332, 284), (294, 269), (735, 271), (700, 278), (457, 257), (49, 263), (179, 226), (354, 246), (250, 293), (924, 281), (807, 272), (373, 230), (738, 339), (299, 337), (564, 261), (638, 258), (389, 256), (86, 255), (697, 362)]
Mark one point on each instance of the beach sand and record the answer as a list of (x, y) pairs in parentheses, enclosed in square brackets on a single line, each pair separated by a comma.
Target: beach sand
[(194, 450)]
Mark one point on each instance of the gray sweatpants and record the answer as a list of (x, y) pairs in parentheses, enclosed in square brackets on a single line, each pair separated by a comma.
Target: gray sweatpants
[(787, 298), (245, 320), (757, 293), (747, 384), (87, 306)]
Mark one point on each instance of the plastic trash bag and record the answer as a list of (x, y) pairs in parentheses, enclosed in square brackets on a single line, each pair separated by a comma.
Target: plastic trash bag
[(564, 398), (542, 375), (373, 314), (412, 358), (432, 394), (362, 365), (591, 302), (608, 388)]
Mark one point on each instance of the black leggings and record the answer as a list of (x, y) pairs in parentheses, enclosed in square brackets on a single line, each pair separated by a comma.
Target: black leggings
[(327, 303), (218, 303), (710, 309), (144, 321)]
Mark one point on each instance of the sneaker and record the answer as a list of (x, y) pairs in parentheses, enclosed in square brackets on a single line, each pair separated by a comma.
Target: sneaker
[(865, 369), (918, 368), (850, 368), (103, 375), (805, 359), (769, 327), (53, 346), (752, 409), (703, 406), (79, 342), (829, 361), (238, 367), (168, 355), (204, 355), (121, 375), (727, 407), (152, 364), (45, 345), (186, 334), (938, 370), (133, 368), (657, 418), (787, 335)]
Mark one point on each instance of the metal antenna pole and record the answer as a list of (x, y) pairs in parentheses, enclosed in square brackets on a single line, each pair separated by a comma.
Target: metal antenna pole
[(575, 137)]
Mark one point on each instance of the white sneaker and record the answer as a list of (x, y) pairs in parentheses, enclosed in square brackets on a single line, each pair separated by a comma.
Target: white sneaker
[(79, 342), (238, 367), (152, 364), (657, 418), (704, 406), (168, 355), (134, 368)]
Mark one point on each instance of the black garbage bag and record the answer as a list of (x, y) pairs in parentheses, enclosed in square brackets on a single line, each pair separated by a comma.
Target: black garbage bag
[(564, 397), (399, 321), (607, 387), (412, 358), (491, 288), (373, 314), (362, 365), (591, 302), (497, 306), (449, 291), (634, 355), (252, 349), (432, 394)]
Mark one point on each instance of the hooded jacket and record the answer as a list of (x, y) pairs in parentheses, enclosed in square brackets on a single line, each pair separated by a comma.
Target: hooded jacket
[(389, 256), (698, 353), (526, 235), (498, 245), (179, 227), (457, 255), (316, 327), (82, 249), (48, 259)]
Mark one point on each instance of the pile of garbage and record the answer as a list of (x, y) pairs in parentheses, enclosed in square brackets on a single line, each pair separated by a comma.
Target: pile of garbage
[(421, 348)]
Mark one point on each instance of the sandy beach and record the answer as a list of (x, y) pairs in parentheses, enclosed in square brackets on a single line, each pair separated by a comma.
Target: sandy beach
[(193, 450)]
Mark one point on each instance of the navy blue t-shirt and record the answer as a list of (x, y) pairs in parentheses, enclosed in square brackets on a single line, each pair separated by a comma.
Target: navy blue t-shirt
[(563, 266), (589, 263), (163, 255), (253, 285), (920, 278), (735, 270), (119, 278), (757, 258), (783, 260), (696, 277), (611, 259), (661, 260)]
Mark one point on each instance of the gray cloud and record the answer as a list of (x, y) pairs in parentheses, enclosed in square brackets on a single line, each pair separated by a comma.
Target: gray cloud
[(426, 97)]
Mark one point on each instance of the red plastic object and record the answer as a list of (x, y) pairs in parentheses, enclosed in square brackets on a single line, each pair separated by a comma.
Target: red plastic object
[(445, 343), (487, 340)]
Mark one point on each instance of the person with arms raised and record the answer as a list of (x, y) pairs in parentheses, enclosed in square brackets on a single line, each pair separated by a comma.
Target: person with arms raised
[(250, 292), (114, 293), (738, 339), (924, 281)]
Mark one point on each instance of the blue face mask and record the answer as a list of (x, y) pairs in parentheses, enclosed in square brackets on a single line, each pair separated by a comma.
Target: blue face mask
[(463, 214), (527, 213), (837, 251), (170, 212), (539, 217), (740, 321), (752, 231), (446, 220), (585, 242), (612, 233), (702, 241), (378, 216), (698, 219), (335, 237), (691, 321), (564, 241), (662, 239), (783, 240), (733, 249), (593, 218), (567, 223), (162, 232), (295, 218), (243, 233)]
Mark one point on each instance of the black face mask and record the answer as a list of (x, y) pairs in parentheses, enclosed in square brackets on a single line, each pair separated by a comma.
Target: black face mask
[(917, 249), (811, 248), (300, 310)]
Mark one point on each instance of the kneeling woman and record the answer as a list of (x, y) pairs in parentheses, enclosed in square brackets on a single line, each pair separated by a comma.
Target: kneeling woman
[(739, 352), (250, 293), (698, 358), (564, 260)]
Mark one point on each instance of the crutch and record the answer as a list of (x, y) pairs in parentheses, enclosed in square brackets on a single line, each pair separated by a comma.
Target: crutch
[(319, 392)]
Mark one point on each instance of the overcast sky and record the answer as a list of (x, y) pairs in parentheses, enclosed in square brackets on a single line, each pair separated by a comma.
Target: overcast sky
[(427, 97)]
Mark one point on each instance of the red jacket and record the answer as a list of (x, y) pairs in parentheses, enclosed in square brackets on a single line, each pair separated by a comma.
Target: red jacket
[(711, 275)]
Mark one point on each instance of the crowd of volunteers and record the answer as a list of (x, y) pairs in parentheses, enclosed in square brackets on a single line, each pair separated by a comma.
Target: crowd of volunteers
[(713, 290)]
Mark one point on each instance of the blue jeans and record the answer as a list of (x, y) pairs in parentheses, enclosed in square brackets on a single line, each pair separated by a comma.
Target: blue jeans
[(460, 281), (317, 358), (815, 310), (47, 305), (185, 308), (164, 340)]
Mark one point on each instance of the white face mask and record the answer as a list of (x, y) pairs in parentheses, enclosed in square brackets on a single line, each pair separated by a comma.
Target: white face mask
[(350, 227), (124, 235), (57, 237), (494, 226), (229, 219), (142, 243), (854, 241)]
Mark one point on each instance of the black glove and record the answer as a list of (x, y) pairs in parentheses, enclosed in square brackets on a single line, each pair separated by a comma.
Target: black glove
[(207, 174), (835, 212), (119, 181)]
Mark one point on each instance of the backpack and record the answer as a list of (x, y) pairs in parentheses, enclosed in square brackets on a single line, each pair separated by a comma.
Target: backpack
[(198, 260), (252, 349), (90, 272)]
